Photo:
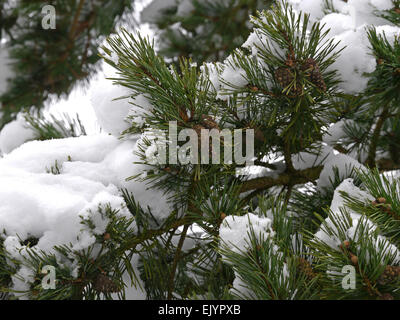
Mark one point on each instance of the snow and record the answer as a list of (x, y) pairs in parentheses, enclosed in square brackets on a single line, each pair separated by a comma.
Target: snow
[(305, 160), (100, 158), (115, 115), (234, 231), (34, 202), (36, 156), (185, 8), (354, 60), (390, 32), (49, 208), (212, 71), (93, 169), (337, 23), (335, 132), (312, 7), (257, 39), (154, 11), (141, 107), (111, 113), (232, 76), (352, 231), (343, 163), (382, 4), (14, 134), (235, 234)]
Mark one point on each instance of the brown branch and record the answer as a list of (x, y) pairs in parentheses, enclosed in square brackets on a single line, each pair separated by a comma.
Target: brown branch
[(375, 137), (152, 233), (72, 31), (175, 262), (296, 177)]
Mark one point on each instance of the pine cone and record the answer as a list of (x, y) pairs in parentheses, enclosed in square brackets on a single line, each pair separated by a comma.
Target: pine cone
[(297, 89), (284, 76), (105, 285), (310, 66), (305, 268), (391, 274)]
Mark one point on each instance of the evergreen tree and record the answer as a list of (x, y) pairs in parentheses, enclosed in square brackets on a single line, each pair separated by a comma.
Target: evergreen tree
[(197, 29), (50, 62), (315, 217)]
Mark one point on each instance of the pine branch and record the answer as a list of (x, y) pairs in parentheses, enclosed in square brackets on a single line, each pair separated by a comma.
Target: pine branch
[(375, 138), (285, 179), (171, 283)]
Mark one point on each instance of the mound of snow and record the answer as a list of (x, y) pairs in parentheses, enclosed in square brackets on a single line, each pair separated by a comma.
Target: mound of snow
[(14, 134)]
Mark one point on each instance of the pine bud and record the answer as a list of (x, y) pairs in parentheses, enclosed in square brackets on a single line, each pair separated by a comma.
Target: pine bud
[(381, 200), (290, 62), (106, 236), (254, 89)]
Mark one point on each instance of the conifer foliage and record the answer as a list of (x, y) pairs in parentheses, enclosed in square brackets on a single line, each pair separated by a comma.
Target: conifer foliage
[(49, 62), (314, 216)]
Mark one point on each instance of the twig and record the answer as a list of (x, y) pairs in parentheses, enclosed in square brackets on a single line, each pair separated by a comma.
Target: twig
[(375, 137), (175, 262)]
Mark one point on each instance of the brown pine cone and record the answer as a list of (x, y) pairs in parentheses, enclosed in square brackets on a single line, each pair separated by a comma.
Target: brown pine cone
[(284, 76), (105, 285), (305, 267), (309, 65), (389, 275), (297, 89), (311, 68)]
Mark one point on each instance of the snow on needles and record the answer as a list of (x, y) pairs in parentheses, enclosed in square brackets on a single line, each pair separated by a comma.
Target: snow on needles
[(354, 230), (36, 203)]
